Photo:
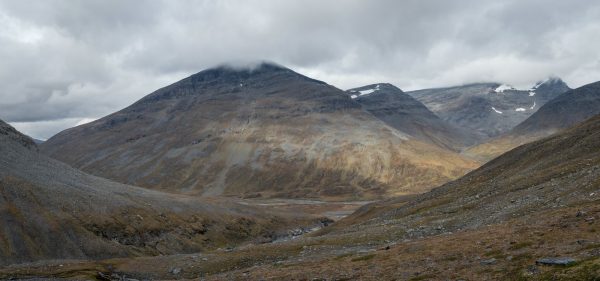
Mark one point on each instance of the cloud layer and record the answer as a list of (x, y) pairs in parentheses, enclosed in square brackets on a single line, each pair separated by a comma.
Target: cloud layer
[(66, 61)]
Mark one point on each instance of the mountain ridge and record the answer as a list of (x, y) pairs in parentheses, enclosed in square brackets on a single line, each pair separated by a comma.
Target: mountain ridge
[(401, 111)]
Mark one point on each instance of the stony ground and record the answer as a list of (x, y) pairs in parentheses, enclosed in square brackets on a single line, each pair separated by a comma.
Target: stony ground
[(506, 251)]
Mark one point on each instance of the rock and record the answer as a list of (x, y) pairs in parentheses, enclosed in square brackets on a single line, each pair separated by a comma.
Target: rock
[(532, 270), (175, 270), (103, 276), (556, 261), (488, 262)]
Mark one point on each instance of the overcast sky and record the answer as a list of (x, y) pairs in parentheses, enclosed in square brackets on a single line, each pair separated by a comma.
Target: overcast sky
[(64, 63)]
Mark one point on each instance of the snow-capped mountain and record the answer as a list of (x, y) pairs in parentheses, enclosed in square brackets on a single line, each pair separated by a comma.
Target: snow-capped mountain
[(489, 109)]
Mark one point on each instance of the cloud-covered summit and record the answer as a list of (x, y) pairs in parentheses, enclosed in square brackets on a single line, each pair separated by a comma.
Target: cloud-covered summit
[(63, 61)]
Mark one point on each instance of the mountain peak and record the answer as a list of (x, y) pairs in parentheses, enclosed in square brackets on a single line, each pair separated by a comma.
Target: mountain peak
[(7, 131), (550, 82), (252, 67), (373, 88), (229, 78), (238, 72)]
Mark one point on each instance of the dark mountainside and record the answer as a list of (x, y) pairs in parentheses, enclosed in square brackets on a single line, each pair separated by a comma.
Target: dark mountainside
[(49, 210), (562, 112), (406, 114), (11, 134), (262, 132), (489, 109)]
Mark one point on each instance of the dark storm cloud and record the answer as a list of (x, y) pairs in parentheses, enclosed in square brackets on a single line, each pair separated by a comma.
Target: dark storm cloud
[(68, 61)]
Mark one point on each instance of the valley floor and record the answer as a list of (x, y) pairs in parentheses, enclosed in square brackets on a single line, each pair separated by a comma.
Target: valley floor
[(506, 251), (331, 210)]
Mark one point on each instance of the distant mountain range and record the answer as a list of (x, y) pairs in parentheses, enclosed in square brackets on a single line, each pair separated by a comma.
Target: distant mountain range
[(264, 132), (562, 112), (488, 109)]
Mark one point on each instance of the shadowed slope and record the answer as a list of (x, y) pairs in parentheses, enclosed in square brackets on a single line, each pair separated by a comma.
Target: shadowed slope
[(49, 210)]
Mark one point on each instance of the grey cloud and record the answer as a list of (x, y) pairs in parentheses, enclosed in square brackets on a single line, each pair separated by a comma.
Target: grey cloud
[(64, 61)]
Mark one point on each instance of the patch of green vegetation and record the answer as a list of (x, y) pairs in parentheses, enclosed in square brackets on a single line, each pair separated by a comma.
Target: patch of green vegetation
[(585, 271), (522, 257), (468, 207), (428, 207), (520, 245), (591, 246), (422, 277), (364, 258), (339, 257), (497, 254), (451, 258)]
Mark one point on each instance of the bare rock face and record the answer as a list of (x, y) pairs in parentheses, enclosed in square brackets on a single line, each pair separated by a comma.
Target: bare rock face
[(489, 109), (262, 131)]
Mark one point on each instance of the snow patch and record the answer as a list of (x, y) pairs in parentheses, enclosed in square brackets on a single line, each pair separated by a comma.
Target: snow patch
[(497, 111), (503, 88), (533, 106), (353, 96), (368, 91), (539, 83), (531, 93), (520, 109), (547, 80)]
